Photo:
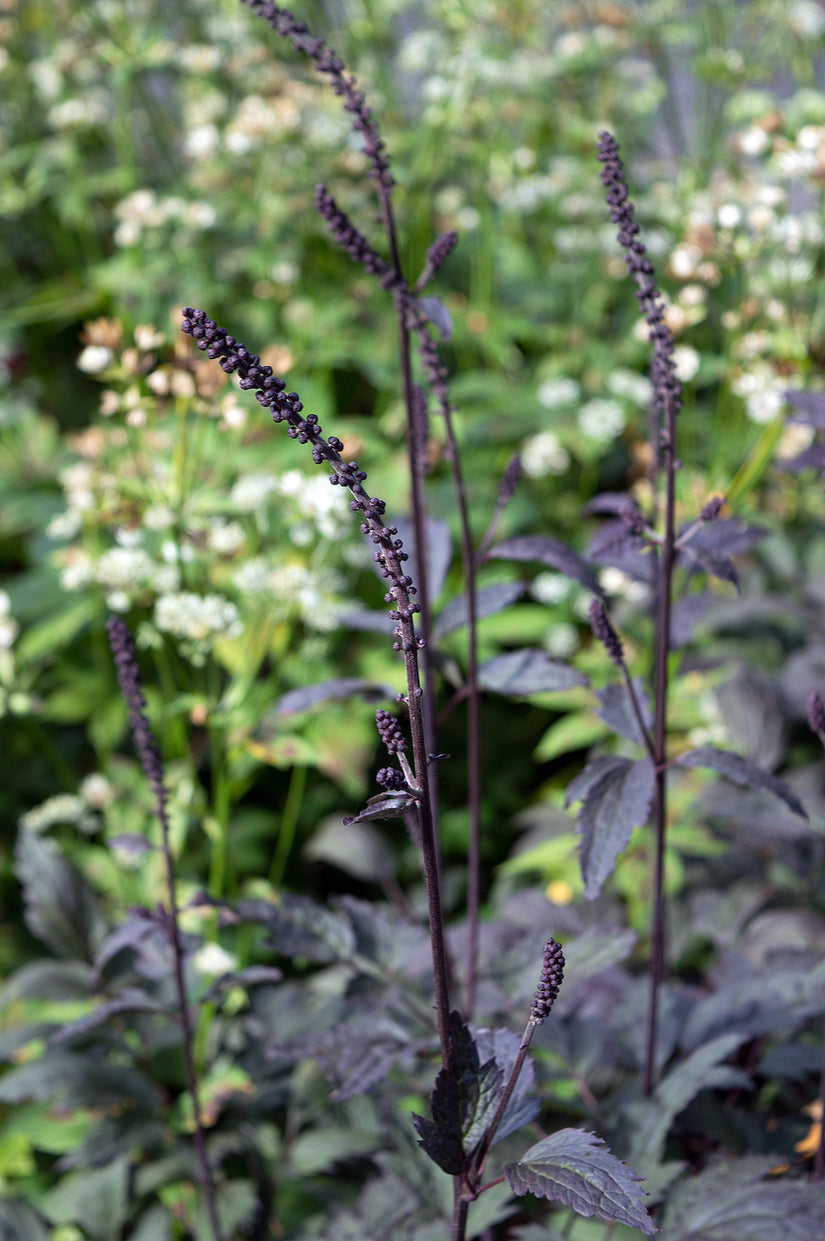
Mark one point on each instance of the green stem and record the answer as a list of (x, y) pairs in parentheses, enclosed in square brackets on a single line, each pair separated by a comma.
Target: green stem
[(288, 826)]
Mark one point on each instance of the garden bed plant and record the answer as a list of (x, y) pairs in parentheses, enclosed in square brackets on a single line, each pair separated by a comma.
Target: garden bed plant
[(468, 879)]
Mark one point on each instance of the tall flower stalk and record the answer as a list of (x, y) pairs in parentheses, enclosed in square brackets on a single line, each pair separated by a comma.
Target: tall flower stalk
[(390, 559), (128, 672), (412, 322), (665, 406)]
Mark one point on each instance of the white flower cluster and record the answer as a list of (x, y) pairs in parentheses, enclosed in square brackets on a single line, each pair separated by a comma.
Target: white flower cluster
[(197, 617), (143, 210), (602, 419), (292, 588), (543, 454), (63, 809), (9, 627), (763, 392)]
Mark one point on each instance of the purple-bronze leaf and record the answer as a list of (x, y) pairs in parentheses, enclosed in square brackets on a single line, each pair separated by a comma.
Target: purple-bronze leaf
[(617, 712), (383, 806), (714, 563), (617, 799), (489, 600), (337, 687), (813, 458), (617, 546), (811, 406), (502, 1046), (462, 1102), (525, 672), (439, 551), (687, 613), (438, 315), (550, 552), (742, 771), (743, 1198), (576, 1169)]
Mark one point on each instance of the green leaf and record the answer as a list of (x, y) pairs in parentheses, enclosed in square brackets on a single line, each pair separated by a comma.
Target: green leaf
[(578, 730), (236, 1201), (318, 1150), (154, 1225), (576, 1169), (57, 631), (96, 1199)]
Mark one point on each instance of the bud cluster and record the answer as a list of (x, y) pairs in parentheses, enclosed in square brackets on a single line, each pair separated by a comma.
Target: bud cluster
[(287, 407), (389, 730), (552, 974), (666, 387), (603, 629)]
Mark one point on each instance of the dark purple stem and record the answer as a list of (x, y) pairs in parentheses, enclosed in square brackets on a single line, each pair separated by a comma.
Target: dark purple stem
[(390, 559), (667, 401), (123, 651)]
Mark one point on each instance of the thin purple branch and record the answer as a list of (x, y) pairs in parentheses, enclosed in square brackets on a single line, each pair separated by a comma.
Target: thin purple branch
[(343, 84)]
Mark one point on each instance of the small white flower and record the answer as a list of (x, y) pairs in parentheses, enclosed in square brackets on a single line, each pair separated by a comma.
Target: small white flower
[(602, 419), (561, 640), (224, 538), (158, 517), (544, 454), (147, 337), (550, 588), (197, 617), (118, 601), (558, 391), (729, 215), (684, 260), (251, 491), (78, 571), (467, 219), (94, 359), (632, 385), (65, 525), (284, 272), (762, 407), (200, 58), (96, 790), (9, 629), (122, 568), (753, 141), (686, 361), (524, 158), (806, 18), (212, 961), (253, 577)]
